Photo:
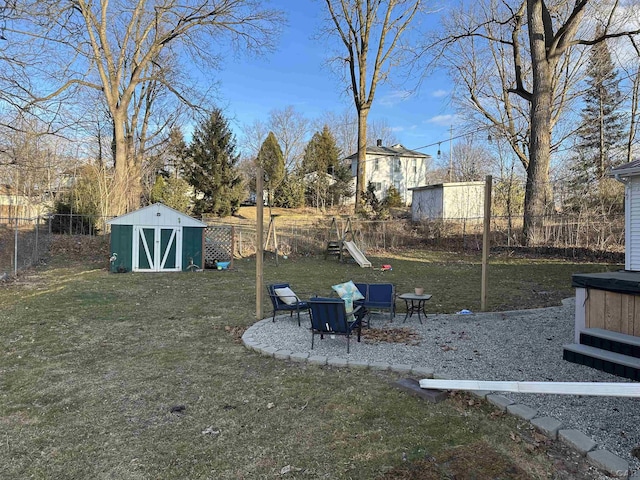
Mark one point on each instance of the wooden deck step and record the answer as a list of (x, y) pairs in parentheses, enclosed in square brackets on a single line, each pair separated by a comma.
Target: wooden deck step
[(612, 341), (604, 360)]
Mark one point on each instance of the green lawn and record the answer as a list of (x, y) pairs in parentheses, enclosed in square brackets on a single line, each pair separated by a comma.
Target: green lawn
[(93, 363)]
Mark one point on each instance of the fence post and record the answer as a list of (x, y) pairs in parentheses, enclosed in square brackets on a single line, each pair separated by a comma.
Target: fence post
[(384, 235), (37, 252), (15, 250), (485, 243)]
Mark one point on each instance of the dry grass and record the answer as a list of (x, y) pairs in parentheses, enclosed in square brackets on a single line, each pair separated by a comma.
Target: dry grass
[(141, 376)]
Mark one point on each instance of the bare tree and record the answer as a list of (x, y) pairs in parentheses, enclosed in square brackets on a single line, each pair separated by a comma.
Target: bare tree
[(118, 48), (535, 40), (471, 162), (381, 130), (291, 129), (364, 27), (343, 126), (253, 135), (634, 102)]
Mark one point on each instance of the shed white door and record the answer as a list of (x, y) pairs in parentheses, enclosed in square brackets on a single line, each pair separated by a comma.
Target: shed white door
[(157, 249)]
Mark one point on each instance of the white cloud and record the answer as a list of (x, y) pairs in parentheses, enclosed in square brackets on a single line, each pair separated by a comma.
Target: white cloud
[(393, 98), (444, 120), (404, 128), (439, 93)]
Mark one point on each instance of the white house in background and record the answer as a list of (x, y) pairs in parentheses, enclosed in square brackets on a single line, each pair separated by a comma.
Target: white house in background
[(448, 201), (394, 165)]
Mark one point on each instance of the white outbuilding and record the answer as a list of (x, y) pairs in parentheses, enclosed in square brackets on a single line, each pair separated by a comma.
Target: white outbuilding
[(448, 201)]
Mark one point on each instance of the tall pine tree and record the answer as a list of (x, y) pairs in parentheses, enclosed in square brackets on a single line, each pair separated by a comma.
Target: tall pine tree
[(321, 161), (211, 167), (602, 128)]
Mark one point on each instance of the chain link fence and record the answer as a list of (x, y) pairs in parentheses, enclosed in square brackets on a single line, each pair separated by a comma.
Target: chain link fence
[(564, 235), (25, 241)]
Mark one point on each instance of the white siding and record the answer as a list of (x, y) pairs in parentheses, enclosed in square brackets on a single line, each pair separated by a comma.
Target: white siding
[(403, 178), (632, 224), (463, 201), (448, 201), (427, 204)]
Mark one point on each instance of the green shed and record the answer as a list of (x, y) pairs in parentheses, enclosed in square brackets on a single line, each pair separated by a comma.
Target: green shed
[(156, 238)]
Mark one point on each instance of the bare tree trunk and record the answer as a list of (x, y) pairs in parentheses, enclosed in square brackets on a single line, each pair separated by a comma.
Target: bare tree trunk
[(635, 95), (540, 138), (126, 186), (361, 175)]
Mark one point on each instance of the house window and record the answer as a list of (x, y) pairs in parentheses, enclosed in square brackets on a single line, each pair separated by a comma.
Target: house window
[(415, 166), (377, 186), (376, 164), (396, 165)]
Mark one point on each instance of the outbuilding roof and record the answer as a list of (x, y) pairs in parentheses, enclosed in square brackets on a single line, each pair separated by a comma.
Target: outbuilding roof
[(451, 184), (156, 214), (631, 168)]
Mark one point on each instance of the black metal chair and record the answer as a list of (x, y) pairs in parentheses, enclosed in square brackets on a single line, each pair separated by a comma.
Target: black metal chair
[(286, 301), (329, 316), (381, 296)]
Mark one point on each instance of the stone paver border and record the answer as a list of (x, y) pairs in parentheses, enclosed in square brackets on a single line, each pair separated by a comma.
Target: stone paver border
[(604, 460)]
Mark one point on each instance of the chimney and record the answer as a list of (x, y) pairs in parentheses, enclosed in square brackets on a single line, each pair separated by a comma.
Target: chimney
[(379, 142)]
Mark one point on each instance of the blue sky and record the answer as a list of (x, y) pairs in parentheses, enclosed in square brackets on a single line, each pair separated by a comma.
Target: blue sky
[(296, 74)]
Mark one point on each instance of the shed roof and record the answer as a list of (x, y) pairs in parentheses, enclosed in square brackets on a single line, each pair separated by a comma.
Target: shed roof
[(442, 185), (156, 214), (631, 168)]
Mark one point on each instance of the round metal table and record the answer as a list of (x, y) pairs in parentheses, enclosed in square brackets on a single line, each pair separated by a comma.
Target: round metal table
[(415, 304)]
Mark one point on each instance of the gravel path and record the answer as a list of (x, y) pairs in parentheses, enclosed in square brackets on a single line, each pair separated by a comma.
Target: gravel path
[(521, 346)]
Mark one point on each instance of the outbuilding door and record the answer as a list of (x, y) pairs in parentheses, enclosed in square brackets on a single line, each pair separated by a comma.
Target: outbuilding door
[(157, 249)]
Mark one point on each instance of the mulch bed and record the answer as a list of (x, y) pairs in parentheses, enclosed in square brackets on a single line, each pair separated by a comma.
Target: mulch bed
[(405, 335)]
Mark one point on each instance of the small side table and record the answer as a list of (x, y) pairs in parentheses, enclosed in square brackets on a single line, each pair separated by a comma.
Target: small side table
[(415, 304)]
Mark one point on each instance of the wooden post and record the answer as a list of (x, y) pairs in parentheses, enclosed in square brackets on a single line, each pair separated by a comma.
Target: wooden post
[(233, 244), (15, 250), (275, 239), (485, 243), (259, 240)]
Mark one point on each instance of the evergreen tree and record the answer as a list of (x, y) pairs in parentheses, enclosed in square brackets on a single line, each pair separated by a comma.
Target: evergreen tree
[(290, 193), (343, 186), (175, 154), (393, 198), (602, 128), (271, 159), (320, 160), (373, 207), (172, 191), (211, 167)]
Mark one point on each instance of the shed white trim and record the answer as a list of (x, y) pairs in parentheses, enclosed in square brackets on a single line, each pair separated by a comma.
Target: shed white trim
[(149, 254), (157, 214)]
